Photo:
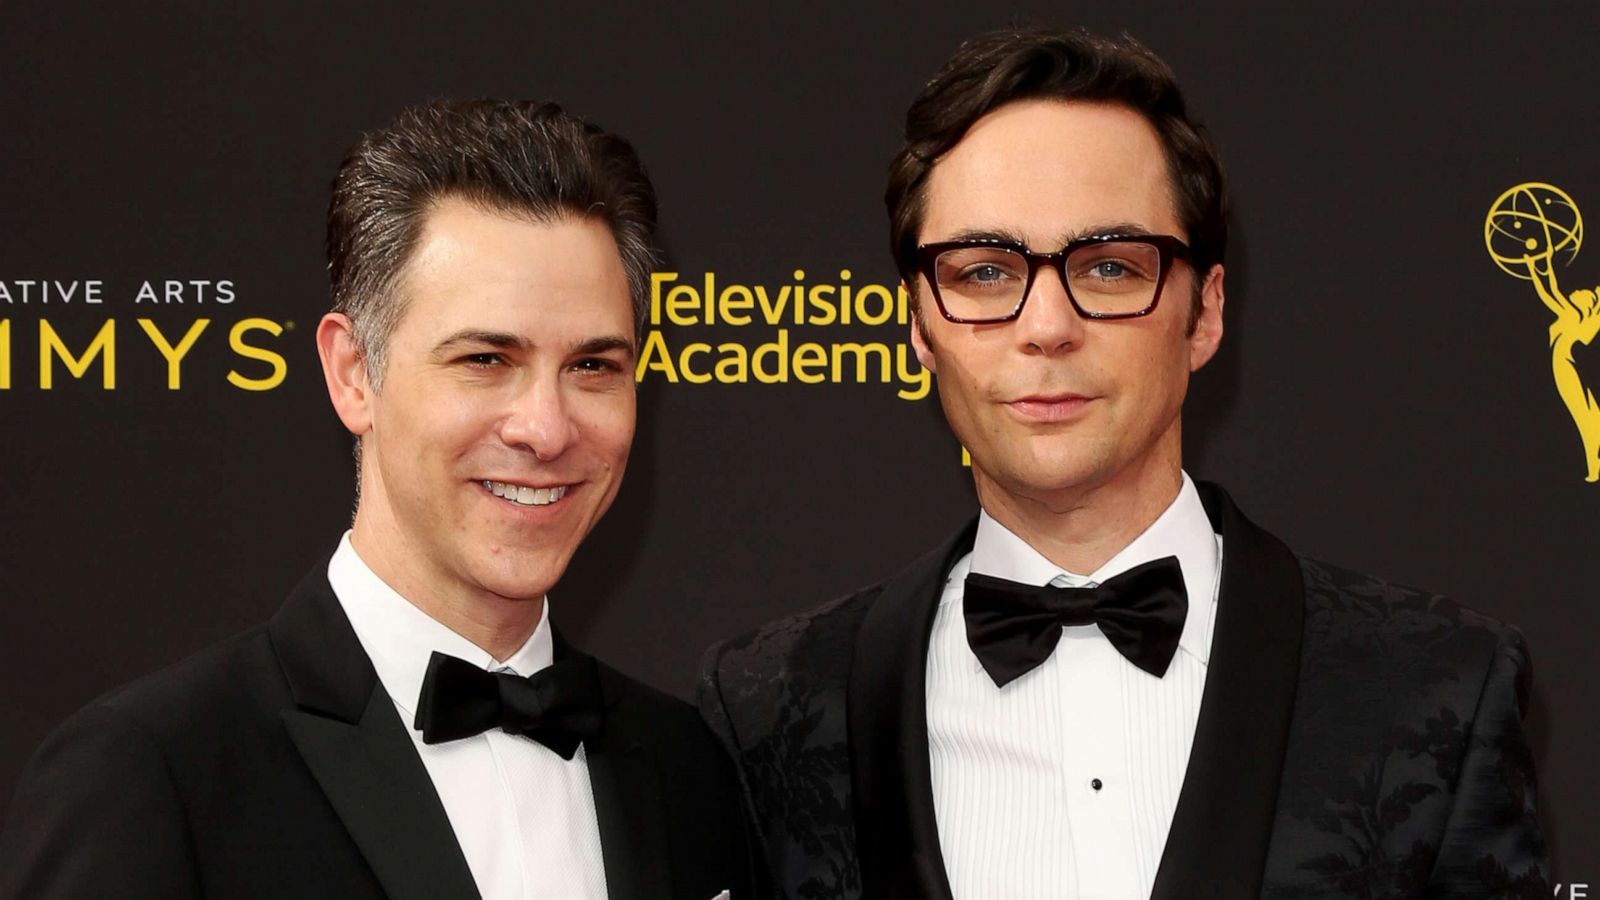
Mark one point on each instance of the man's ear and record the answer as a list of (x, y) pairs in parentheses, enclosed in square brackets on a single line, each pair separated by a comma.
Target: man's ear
[(344, 367), (919, 340), (1206, 335)]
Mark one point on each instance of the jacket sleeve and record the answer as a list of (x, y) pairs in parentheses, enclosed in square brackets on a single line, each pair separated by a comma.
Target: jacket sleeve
[(714, 712), (96, 814), (1492, 844), (708, 697)]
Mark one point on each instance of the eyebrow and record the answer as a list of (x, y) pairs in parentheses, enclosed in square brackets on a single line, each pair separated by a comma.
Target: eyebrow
[(1007, 234), (499, 339), (503, 340), (607, 344), (1129, 228), (988, 234)]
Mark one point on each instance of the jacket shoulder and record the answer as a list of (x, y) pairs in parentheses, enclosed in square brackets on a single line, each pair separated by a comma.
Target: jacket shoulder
[(1410, 645), (813, 646), (210, 686), (111, 792), (822, 639), (786, 677), (1345, 598)]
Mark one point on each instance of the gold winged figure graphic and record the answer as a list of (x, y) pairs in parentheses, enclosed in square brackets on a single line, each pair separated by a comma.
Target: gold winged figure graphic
[(1529, 229)]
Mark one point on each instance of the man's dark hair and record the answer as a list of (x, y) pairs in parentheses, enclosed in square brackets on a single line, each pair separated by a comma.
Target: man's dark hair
[(1034, 62), (519, 157)]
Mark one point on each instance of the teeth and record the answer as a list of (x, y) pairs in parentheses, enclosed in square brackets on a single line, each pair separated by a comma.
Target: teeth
[(525, 496)]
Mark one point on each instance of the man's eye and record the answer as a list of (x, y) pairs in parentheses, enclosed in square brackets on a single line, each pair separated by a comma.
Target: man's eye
[(596, 364), (483, 360), (1108, 269), (985, 274)]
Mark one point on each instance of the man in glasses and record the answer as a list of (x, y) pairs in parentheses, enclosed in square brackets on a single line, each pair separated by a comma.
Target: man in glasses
[(1111, 683)]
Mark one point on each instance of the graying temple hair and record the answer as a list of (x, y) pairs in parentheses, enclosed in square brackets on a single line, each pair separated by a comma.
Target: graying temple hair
[(519, 157)]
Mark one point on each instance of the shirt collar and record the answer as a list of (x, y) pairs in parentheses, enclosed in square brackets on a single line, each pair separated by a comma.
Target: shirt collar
[(1182, 530), (399, 637)]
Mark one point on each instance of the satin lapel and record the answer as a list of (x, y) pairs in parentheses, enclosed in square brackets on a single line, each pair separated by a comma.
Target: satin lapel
[(891, 783), (374, 779), (351, 737), (629, 809), (1217, 845)]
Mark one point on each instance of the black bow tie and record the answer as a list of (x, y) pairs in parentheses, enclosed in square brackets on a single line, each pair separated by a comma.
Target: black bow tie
[(558, 706), (1014, 627)]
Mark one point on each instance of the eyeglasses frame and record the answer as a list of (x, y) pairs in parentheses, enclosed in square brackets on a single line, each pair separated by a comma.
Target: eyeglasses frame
[(1168, 248)]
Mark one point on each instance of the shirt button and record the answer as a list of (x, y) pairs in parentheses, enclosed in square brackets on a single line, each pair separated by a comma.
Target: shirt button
[(1097, 784)]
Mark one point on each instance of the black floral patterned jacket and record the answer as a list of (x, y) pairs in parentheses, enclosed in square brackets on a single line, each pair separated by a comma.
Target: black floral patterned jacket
[(1356, 739)]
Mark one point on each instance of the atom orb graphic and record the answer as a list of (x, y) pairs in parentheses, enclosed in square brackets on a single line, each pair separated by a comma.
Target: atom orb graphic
[(1529, 225)]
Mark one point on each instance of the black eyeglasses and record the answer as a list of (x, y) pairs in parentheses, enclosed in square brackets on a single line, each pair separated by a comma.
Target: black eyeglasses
[(1110, 276)]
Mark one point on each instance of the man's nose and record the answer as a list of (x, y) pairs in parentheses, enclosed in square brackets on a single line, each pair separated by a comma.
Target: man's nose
[(1049, 323), (538, 418)]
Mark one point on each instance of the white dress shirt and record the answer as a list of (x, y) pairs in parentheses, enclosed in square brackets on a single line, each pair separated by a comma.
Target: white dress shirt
[(1063, 783), (524, 817)]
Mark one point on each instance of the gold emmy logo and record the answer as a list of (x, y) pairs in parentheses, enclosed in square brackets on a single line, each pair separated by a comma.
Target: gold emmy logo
[(1529, 228)]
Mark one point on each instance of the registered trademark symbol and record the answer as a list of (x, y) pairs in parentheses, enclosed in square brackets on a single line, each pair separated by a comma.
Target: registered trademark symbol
[(288, 326)]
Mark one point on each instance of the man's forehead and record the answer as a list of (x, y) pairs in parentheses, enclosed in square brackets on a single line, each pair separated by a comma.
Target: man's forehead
[(478, 270), (1052, 169), (462, 239)]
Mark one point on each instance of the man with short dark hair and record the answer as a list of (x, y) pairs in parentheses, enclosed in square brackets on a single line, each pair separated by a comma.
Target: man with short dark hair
[(1111, 684), (410, 724)]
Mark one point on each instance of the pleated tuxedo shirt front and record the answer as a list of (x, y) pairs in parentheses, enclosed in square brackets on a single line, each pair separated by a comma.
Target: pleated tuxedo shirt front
[(1063, 783)]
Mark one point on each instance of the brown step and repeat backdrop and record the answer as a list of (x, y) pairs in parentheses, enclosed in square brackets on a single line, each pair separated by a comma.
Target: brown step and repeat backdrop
[(1390, 395)]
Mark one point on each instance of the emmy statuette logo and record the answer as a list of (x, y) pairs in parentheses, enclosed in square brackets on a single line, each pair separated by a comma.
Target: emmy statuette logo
[(1530, 229)]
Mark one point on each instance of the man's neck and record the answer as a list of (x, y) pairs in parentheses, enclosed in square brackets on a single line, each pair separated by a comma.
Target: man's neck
[(1080, 529), (500, 626)]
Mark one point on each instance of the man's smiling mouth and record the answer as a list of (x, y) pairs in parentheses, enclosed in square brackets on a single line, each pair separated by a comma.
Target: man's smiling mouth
[(523, 495)]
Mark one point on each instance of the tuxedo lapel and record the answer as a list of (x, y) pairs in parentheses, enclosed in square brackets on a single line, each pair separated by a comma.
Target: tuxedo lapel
[(628, 805), (891, 780), (351, 737), (1217, 845), (372, 775)]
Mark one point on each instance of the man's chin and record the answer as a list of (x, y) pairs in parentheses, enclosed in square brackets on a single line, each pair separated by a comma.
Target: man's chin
[(510, 579), (1041, 476)]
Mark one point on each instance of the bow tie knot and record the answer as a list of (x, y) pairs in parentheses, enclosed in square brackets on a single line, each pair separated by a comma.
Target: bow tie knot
[(1012, 628), (524, 702), (559, 706)]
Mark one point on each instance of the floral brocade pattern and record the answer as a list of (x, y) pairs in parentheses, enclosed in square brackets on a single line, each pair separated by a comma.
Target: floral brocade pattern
[(780, 705), (1407, 773)]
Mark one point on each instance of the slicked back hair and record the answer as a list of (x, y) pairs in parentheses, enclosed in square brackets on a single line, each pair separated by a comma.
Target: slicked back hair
[(522, 158), (1035, 62)]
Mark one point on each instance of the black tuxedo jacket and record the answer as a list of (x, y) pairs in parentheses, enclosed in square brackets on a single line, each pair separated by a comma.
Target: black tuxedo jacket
[(274, 765), (1355, 739)]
